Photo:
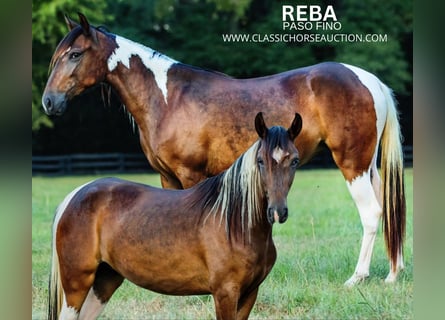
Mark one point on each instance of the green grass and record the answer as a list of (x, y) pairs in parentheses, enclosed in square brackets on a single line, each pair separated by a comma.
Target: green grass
[(317, 251)]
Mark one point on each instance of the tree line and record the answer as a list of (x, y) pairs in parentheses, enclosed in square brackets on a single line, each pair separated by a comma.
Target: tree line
[(191, 31)]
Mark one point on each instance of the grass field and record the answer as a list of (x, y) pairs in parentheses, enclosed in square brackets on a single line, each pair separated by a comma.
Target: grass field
[(317, 251)]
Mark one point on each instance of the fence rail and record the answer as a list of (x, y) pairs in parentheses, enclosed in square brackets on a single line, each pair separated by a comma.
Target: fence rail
[(90, 163), (136, 162)]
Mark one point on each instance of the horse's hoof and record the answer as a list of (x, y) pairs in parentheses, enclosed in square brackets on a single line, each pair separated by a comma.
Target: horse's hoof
[(352, 281), (391, 278)]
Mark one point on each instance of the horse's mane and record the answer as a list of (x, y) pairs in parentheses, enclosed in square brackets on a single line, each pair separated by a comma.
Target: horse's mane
[(235, 196)]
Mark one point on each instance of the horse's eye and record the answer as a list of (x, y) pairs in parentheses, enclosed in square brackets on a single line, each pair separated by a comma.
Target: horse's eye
[(74, 55), (295, 162), (260, 162)]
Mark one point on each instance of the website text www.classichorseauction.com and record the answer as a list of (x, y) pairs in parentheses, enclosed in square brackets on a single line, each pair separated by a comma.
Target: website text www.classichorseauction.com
[(303, 18)]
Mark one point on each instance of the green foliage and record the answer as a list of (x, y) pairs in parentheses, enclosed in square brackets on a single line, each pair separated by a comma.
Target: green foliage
[(386, 60), (48, 18), (389, 60), (38, 118), (237, 7)]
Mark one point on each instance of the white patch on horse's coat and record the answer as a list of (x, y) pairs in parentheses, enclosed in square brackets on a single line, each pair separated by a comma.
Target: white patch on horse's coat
[(152, 60), (370, 212), (374, 85), (92, 307), (68, 313), (278, 154)]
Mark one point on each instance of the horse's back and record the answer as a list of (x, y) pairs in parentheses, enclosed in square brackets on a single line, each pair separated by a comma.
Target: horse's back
[(216, 112), (90, 204)]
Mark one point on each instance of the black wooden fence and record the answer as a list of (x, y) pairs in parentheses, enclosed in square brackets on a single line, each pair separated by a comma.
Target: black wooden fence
[(136, 162), (90, 163)]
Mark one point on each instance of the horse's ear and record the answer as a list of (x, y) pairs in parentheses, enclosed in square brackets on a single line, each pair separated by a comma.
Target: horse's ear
[(84, 24), (70, 23), (87, 29), (295, 127), (260, 126)]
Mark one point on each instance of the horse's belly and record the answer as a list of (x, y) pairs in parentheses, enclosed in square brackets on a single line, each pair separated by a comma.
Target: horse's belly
[(175, 272), (180, 287), (172, 282)]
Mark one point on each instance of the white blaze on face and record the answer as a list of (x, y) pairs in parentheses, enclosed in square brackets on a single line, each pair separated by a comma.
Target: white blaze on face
[(278, 154), (152, 60), (276, 218)]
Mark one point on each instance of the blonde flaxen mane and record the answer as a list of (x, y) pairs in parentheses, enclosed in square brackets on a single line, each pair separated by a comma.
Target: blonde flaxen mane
[(240, 192)]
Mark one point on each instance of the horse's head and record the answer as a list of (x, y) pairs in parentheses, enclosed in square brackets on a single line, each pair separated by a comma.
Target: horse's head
[(277, 160), (79, 62)]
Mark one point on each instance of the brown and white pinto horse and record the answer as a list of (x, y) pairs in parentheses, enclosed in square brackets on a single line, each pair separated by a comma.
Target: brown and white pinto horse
[(214, 238), (194, 123)]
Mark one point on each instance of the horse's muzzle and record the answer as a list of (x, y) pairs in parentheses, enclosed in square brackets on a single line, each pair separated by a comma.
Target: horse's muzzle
[(54, 104), (277, 214)]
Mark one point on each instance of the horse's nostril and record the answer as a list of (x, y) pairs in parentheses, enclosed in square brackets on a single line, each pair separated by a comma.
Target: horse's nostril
[(48, 102)]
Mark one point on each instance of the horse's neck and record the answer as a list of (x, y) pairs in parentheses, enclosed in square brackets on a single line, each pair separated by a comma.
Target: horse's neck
[(139, 75)]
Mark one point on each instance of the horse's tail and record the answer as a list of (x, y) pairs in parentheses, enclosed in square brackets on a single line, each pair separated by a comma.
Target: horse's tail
[(394, 207), (55, 286)]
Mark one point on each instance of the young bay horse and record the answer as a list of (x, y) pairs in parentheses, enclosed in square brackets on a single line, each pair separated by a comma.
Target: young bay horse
[(194, 123), (214, 238)]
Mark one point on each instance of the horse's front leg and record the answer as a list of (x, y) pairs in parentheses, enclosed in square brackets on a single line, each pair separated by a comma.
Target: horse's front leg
[(191, 175), (170, 183), (226, 302), (182, 178), (245, 304)]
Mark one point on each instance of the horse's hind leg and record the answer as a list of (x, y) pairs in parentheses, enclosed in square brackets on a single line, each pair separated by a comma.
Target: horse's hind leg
[(362, 190), (68, 313), (92, 306), (75, 287), (105, 284)]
